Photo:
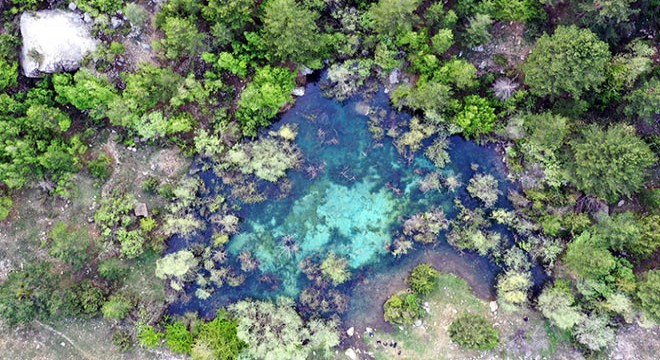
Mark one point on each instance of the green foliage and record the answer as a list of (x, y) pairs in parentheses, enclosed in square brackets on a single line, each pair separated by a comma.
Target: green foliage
[(117, 307), (136, 15), (87, 299), (572, 61), (69, 244), (122, 340), (100, 6), (478, 31), (335, 268), (594, 332), (290, 32), (477, 116), (5, 206), (85, 91), (460, 73), (473, 331), (178, 338), (644, 101), (648, 293), (263, 98), (557, 303), (512, 288), (113, 268), (113, 214), (624, 232), (610, 163), (28, 294), (393, 17), (8, 73), (217, 339), (428, 95), (437, 152), (402, 309), (442, 41), (588, 257), (345, 79), (182, 38), (273, 331), (148, 336), (100, 167), (484, 188), (423, 279)]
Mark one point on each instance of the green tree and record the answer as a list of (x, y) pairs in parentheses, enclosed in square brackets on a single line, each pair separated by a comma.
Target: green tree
[(512, 288), (85, 91), (477, 116), (644, 102), (217, 339), (273, 331), (557, 303), (572, 61), (290, 32), (610, 163), (594, 332), (402, 309), (423, 279), (472, 331), (648, 293), (263, 98), (625, 232), (69, 244), (478, 31), (116, 307), (182, 38), (589, 257), (393, 17)]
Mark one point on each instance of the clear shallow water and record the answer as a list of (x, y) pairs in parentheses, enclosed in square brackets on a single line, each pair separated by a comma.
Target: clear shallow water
[(353, 207)]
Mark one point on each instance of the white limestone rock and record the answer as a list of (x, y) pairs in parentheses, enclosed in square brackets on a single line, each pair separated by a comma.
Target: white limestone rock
[(53, 41)]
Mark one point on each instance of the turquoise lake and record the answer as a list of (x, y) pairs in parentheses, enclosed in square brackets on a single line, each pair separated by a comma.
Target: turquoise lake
[(350, 197)]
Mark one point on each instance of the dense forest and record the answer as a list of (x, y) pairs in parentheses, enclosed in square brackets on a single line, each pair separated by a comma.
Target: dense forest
[(127, 177)]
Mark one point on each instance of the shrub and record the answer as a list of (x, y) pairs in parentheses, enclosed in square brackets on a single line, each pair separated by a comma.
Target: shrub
[(588, 257), (100, 167), (122, 340), (402, 309), (117, 307), (178, 338), (148, 336), (113, 268), (69, 244), (473, 331), (648, 293), (594, 332), (512, 287), (477, 116), (217, 339), (423, 279), (612, 163), (5, 206)]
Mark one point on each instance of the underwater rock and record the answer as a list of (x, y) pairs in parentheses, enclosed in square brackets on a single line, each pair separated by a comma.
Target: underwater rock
[(53, 41)]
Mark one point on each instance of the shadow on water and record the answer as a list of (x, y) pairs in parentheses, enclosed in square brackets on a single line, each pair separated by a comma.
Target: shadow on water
[(353, 207)]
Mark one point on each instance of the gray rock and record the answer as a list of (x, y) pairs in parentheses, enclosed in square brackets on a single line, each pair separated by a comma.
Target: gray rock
[(141, 210), (306, 71), (116, 22), (87, 18), (53, 41), (350, 331), (350, 353), (394, 76), (493, 306), (73, 6), (299, 91)]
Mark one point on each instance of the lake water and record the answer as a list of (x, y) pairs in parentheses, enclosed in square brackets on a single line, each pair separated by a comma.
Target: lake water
[(353, 207)]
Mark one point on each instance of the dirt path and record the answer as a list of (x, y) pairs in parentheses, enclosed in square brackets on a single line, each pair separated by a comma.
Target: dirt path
[(81, 351)]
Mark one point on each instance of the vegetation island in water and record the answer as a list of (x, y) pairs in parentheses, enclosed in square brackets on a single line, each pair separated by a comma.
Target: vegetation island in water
[(330, 179)]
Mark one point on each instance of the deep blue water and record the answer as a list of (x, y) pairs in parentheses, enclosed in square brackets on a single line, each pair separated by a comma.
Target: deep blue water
[(353, 207)]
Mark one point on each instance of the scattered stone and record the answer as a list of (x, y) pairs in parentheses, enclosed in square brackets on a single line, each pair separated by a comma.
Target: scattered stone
[(116, 22), (53, 41), (299, 91), (394, 76), (73, 6), (418, 323), (350, 353), (141, 210), (493, 306), (87, 18), (350, 331), (306, 71), (620, 203)]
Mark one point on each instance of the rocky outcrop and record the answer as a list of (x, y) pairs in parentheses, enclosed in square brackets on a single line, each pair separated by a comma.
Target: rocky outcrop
[(53, 41)]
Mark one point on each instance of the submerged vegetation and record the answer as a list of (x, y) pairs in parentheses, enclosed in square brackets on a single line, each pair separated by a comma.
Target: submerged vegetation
[(226, 179)]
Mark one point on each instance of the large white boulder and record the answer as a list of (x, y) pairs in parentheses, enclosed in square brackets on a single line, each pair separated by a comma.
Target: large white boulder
[(53, 41)]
